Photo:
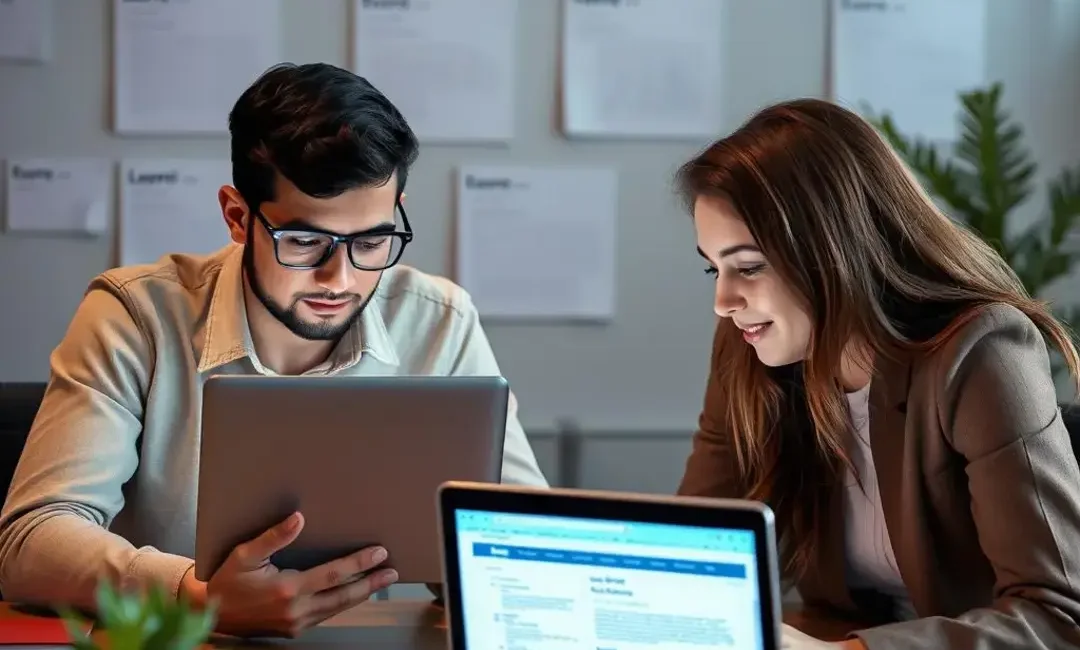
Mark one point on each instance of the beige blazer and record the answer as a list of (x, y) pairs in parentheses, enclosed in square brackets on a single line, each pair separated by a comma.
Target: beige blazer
[(979, 486)]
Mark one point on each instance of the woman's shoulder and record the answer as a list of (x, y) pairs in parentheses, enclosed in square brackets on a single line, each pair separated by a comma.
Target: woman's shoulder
[(987, 330), (996, 353)]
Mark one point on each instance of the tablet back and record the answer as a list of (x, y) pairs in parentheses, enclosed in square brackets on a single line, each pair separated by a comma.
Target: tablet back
[(360, 457)]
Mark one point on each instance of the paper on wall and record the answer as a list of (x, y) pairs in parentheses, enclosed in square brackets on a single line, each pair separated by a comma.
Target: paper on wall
[(538, 242), (911, 58), (170, 206), (180, 66), (642, 68), (58, 195), (447, 66)]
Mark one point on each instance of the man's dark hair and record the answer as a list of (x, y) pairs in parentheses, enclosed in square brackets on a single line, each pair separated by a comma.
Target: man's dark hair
[(323, 128)]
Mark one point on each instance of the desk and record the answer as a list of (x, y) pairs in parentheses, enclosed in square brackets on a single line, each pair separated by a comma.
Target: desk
[(411, 625)]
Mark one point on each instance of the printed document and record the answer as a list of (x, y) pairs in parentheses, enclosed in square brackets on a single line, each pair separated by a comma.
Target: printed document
[(58, 195), (538, 242), (911, 58), (447, 66), (642, 68), (170, 206), (180, 66)]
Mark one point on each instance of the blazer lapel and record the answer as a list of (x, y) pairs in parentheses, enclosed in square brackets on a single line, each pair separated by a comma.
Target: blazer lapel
[(829, 573), (888, 419), (827, 578)]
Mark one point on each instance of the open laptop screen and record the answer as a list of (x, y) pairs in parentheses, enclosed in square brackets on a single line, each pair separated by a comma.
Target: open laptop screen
[(537, 582)]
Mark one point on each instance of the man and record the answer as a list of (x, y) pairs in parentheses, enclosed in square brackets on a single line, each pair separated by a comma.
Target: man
[(106, 486)]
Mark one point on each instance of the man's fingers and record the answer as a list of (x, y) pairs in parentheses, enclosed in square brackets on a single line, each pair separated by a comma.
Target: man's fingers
[(341, 571), (253, 554), (332, 602)]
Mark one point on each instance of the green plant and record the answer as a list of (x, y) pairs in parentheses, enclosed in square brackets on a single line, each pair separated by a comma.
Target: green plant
[(986, 179), (150, 620)]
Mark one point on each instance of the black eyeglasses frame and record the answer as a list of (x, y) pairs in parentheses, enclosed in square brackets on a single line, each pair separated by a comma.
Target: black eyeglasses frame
[(405, 236)]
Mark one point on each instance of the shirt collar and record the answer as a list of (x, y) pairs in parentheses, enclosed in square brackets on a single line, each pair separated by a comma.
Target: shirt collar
[(374, 339), (228, 335)]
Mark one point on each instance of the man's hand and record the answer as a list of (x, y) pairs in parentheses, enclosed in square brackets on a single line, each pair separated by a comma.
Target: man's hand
[(255, 598)]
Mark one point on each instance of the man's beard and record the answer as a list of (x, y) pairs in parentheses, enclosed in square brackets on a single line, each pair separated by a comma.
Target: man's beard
[(288, 316)]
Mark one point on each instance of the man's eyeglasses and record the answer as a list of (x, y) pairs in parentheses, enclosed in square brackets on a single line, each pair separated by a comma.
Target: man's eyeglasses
[(311, 248)]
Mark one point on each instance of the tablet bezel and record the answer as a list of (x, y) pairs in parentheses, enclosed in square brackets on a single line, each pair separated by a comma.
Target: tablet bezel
[(615, 506)]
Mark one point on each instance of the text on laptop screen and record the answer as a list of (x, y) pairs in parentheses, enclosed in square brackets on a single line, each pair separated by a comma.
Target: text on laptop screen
[(531, 582)]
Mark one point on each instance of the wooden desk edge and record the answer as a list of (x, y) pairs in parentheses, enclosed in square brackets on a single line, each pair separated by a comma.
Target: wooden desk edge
[(424, 614)]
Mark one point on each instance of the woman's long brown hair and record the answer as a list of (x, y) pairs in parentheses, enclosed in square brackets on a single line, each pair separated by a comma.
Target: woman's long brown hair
[(841, 219)]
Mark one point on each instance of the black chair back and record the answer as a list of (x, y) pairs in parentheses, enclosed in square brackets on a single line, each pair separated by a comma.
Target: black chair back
[(1070, 414), (19, 404)]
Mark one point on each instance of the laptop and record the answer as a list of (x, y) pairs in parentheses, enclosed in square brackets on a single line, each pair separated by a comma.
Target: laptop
[(560, 568), (359, 457)]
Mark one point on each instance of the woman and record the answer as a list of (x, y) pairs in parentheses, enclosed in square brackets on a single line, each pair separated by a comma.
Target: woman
[(880, 378)]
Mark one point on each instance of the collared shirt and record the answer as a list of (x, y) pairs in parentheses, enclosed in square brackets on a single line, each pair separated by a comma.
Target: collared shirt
[(107, 483)]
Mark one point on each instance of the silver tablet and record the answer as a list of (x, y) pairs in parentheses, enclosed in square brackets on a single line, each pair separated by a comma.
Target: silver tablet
[(360, 457), (562, 568)]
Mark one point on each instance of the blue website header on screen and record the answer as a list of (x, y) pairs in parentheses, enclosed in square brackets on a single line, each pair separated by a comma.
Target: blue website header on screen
[(534, 582)]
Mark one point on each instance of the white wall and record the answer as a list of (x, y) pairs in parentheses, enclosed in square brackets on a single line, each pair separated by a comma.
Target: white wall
[(644, 372)]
